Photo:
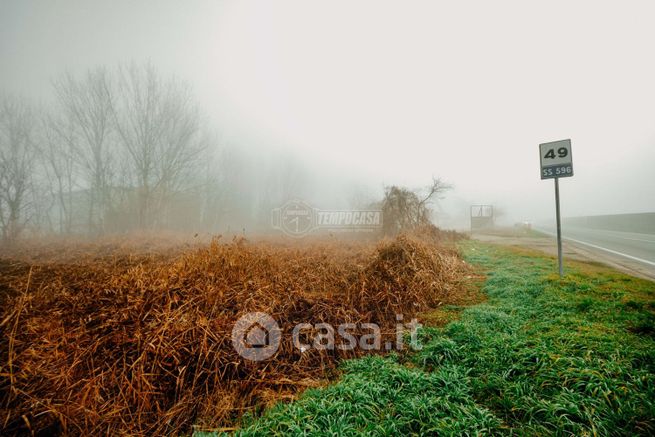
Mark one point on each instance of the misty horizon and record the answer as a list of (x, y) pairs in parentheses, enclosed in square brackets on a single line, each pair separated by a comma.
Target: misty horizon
[(359, 96)]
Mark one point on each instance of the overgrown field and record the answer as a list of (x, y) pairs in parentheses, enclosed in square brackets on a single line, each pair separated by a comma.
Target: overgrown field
[(544, 355), (109, 339)]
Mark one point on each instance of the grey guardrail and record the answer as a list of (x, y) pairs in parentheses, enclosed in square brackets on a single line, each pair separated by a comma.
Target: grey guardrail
[(643, 223)]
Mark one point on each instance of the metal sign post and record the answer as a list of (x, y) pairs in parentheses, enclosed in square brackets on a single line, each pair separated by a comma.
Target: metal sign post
[(556, 162), (559, 230)]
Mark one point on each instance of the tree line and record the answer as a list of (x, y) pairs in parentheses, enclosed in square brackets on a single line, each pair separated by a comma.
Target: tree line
[(124, 149)]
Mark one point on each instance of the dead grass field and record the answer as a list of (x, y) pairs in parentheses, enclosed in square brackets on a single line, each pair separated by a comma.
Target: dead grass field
[(134, 337)]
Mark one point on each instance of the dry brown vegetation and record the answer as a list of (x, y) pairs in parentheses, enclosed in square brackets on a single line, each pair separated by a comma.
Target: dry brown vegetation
[(106, 339)]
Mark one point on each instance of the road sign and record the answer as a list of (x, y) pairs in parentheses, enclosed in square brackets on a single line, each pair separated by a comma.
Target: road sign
[(482, 216), (556, 159), (556, 162)]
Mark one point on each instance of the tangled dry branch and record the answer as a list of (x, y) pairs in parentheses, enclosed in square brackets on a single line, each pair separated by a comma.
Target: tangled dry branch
[(139, 344)]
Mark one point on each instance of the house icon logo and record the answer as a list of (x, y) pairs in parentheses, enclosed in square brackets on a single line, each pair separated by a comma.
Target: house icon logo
[(256, 336)]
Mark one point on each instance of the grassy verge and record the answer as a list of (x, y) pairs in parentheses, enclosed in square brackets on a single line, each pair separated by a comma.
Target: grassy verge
[(543, 355)]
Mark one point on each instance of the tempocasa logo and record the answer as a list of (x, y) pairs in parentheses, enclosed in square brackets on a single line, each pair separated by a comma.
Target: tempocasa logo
[(297, 218)]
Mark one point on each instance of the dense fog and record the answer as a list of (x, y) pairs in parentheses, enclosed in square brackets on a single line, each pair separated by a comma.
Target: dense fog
[(204, 116)]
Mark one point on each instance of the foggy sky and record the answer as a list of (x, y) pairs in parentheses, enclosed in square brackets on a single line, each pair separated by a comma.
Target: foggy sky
[(389, 92)]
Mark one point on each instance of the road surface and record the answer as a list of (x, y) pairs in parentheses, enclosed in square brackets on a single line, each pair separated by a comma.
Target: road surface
[(630, 252), (626, 248)]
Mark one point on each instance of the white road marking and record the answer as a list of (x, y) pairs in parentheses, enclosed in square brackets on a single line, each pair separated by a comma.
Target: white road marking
[(602, 248), (625, 255), (636, 239), (621, 235)]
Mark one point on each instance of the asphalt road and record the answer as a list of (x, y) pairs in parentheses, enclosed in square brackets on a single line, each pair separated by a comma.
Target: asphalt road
[(627, 247)]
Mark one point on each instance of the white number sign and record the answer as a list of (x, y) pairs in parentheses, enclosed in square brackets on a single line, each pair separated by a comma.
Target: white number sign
[(556, 160)]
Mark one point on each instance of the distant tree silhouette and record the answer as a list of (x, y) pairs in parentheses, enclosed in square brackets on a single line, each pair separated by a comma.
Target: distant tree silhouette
[(404, 209)]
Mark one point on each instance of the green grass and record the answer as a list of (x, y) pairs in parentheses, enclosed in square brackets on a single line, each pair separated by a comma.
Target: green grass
[(543, 355)]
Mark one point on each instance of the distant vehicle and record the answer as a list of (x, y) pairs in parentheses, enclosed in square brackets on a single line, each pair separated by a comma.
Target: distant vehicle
[(525, 225)]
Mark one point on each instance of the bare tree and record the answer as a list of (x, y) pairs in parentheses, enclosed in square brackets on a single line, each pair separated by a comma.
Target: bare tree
[(281, 178), (86, 129), (221, 171), (159, 126), (57, 148), (405, 209), (431, 193), (17, 158)]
